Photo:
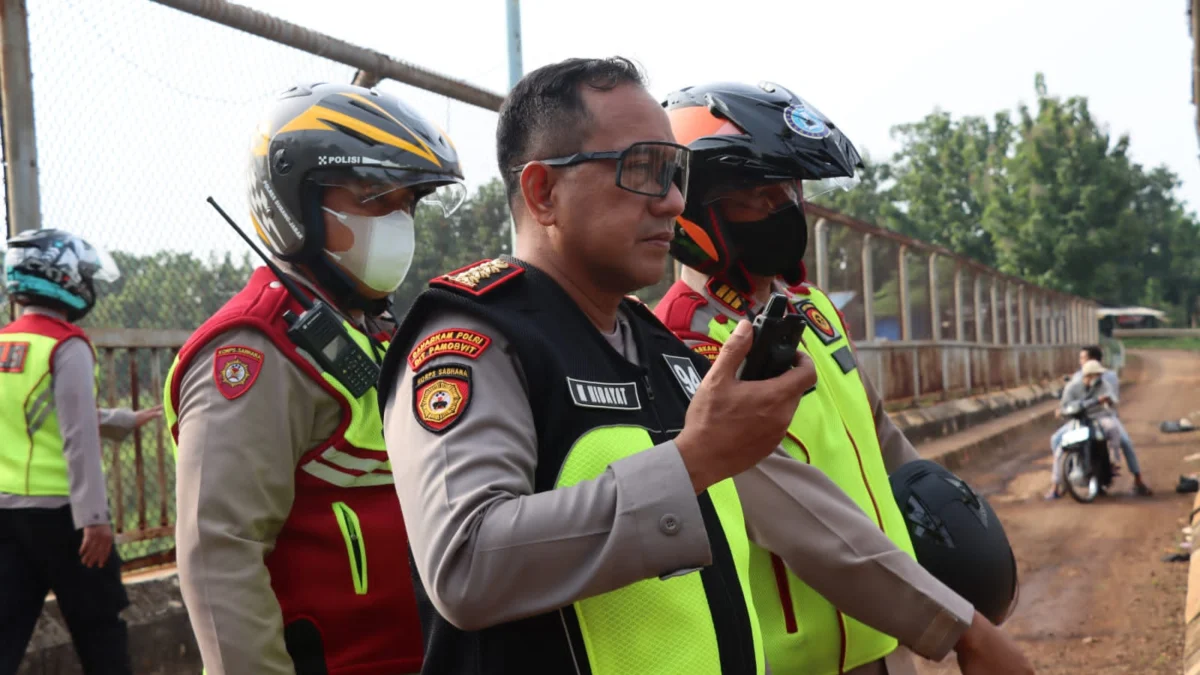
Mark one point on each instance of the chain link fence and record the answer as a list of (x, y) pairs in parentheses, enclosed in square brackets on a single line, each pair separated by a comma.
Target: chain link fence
[(143, 111)]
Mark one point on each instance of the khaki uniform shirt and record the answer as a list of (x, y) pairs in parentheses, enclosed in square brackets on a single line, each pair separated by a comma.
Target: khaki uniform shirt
[(490, 550)]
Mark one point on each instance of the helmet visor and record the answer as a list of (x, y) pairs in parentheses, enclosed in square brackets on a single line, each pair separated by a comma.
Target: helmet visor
[(104, 268), (817, 188), (742, 202), (369, 183)]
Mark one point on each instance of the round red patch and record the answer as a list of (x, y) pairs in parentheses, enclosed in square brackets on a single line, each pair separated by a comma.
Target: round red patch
[(818, 321)]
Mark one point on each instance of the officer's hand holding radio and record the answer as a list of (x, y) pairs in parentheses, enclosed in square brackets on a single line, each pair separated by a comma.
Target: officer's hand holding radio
[(732, 424)]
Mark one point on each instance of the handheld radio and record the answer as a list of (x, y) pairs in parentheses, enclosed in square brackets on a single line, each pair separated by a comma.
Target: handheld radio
[(319, 330), (777, 334)]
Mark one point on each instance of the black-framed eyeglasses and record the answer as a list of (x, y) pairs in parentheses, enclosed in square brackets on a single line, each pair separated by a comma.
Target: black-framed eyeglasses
[(647, 167)]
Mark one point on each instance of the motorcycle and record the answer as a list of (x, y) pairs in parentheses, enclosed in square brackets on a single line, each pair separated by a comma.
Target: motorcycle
[(1086, 468)]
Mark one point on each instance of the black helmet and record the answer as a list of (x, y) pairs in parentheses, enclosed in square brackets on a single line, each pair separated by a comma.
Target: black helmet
[(56, 269), (338, 135), (957, 537), (744, 136)]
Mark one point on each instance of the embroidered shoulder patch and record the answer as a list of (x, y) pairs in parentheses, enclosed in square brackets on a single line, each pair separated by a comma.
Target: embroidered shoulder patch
[(456, 341), (235, 369), (441, 395), (480, 277), (12, 356), (819, 323), (708, 350), (726, 295)]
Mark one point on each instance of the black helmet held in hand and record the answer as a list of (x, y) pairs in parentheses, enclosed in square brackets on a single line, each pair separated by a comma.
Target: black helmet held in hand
[(758, 138), (957, 537)]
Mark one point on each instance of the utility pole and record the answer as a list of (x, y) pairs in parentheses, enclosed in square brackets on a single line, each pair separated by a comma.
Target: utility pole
[(515, 71)]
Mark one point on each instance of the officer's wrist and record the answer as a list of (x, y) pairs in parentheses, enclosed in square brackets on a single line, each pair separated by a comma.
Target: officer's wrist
[(974, 636), (696, 467)]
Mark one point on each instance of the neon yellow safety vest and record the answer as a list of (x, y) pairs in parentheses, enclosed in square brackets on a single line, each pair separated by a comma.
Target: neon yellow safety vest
[(834, 430), (31, 446)]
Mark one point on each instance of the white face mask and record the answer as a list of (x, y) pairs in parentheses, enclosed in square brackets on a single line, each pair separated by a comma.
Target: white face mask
[(382, 251)]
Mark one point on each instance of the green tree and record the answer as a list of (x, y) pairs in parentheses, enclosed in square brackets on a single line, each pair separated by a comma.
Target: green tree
[(943, 174)]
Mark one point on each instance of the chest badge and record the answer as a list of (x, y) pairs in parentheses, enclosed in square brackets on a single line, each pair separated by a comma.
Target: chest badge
[(820, 325), (608, 395), (685, 372)]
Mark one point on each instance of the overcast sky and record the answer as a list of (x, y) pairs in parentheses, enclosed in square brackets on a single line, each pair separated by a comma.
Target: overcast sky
[(143, 111)]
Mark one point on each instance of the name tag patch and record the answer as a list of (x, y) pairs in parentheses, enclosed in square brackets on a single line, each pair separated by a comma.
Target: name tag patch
[(685, 372), (12, 357), (609, 395)]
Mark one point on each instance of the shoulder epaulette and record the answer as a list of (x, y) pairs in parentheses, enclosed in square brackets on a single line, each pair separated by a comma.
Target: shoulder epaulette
[(726, 295), (479, 278)]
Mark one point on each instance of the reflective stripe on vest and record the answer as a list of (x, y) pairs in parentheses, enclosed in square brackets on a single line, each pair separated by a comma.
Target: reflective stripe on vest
[(834, 430), (32, 462), (620, 627), (364, 432)]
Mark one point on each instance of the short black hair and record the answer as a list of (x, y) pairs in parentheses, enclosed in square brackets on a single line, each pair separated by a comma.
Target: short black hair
[(543, 114), (1094, 352)]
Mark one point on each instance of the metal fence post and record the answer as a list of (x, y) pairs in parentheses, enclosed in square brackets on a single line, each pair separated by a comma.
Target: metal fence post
[(20, 144), (868, 278), (821, 234), (905, 296)]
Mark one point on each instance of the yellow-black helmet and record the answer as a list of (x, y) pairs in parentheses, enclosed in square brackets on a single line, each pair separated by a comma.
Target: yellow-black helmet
[(329, 134)]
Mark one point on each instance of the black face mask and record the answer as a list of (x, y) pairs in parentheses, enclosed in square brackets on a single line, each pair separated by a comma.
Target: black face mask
[(773, 246)]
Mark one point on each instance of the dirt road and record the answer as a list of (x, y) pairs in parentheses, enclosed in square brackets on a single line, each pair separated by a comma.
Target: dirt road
[(1096, 596)]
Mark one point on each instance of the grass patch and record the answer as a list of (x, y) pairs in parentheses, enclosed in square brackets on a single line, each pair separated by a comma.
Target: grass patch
[(1192, 344)]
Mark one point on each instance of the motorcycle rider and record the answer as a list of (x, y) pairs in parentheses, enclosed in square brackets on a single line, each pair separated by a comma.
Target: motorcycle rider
[(1101, 398), (742, 236), (292, 549)]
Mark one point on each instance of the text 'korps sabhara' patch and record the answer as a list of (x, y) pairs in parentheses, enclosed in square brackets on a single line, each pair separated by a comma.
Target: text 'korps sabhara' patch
[(611, 395), (441, 395), (456, 341), (820, 325), (235, 368)]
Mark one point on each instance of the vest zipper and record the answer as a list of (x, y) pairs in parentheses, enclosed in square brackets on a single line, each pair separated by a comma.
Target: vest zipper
[(356, 548)]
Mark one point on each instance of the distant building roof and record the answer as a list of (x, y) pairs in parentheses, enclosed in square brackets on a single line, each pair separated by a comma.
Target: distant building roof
[(1131, 311)]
